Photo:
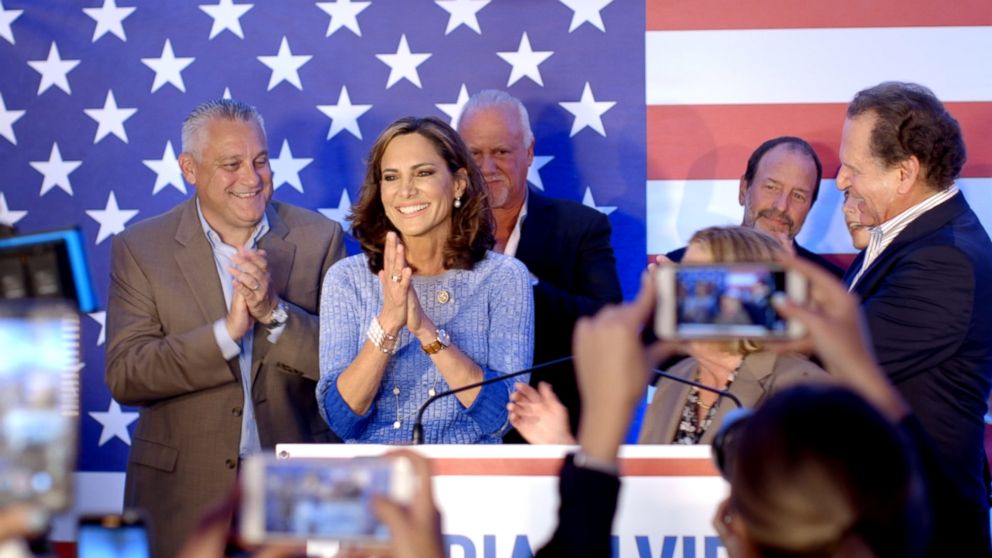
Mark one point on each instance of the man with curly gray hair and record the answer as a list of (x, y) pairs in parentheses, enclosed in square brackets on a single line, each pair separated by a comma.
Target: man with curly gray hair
[(925, 280)]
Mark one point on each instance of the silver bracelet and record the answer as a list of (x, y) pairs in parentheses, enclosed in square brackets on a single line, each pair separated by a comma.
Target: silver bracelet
[(379, 338)]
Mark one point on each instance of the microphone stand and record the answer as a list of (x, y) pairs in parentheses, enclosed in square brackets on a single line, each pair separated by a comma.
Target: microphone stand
[(720, 392), (418, 425)]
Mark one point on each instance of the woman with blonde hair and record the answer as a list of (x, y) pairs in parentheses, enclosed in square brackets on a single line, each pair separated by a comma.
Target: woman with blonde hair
[(678, 413)]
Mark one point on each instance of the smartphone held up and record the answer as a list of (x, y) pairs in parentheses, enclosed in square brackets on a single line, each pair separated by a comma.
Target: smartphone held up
[(726, 301), (320, 499), (39, 403)]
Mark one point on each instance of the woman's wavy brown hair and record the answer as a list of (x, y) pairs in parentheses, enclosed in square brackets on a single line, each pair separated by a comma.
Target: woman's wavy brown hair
[(472, 224)]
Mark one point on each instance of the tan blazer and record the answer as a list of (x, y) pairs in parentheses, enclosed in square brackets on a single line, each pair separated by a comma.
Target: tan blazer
[(761, 374), (164, 296)]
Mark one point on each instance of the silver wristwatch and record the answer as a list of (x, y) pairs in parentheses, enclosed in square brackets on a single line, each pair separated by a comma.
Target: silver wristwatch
[(278, 316)]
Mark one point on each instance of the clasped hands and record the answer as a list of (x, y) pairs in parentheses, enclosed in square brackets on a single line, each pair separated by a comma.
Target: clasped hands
[(400, 305), (253, 297)]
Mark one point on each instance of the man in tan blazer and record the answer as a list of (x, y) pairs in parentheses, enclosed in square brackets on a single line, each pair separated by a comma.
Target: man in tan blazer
[(212, 326)]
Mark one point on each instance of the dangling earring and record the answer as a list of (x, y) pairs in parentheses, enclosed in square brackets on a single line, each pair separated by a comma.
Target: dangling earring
[(458, 202)]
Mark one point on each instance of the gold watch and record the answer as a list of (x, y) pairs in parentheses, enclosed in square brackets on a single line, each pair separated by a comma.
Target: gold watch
[(442, 342)]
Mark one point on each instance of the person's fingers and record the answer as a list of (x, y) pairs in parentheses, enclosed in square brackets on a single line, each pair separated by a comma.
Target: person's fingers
[(792, 311), (525, 410), (662, 350), (547, 393), (640, 309), (526, 393), (389, 253), (244, 278), (400, 261), (420, 466), (721, 519), (251, 259), (803, 346), (392, 514), (281, 551), (21, 520)]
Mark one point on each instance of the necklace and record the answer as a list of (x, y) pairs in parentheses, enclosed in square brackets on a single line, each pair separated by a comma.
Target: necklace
[(692, 426), (398, 423)]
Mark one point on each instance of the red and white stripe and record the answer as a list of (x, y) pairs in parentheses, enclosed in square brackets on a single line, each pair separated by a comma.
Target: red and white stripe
[(721, 77)]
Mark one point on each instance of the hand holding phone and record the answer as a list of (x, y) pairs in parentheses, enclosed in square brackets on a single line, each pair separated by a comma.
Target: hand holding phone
[(39, 407), (307, 499)]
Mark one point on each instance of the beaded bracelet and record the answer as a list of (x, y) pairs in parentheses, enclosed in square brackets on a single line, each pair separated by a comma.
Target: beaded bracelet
[(379, 337)]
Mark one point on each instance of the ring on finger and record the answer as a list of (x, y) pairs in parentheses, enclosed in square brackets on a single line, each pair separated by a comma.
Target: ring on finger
[(396, 278)]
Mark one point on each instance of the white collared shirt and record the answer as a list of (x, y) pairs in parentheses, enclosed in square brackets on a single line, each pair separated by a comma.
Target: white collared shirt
[(883, 235), (242, 349), (514, 241)]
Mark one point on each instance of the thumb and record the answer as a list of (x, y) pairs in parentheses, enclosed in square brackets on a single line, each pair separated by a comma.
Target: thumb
[(390, 513)]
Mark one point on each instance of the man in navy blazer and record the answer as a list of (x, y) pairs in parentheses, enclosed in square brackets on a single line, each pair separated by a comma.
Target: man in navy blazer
[(565, 245), (925, 280)]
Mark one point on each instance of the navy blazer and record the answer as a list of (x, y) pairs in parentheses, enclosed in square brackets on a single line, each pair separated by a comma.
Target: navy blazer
[(927, 300), (566, 245)]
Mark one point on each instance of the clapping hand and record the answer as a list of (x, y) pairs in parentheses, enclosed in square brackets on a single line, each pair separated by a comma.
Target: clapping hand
[(538, 415), (395, 278)]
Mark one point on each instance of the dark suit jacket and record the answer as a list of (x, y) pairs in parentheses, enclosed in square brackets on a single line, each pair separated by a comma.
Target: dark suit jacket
[(585, 514), (566, 245), (677, 254), (927, 301), (165, 294)]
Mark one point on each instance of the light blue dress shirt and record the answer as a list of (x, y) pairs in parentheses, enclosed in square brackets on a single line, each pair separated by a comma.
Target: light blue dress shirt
[(223, 254)]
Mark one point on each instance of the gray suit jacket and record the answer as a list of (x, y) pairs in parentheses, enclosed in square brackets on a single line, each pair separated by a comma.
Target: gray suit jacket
[(164, 296), (761, 374)]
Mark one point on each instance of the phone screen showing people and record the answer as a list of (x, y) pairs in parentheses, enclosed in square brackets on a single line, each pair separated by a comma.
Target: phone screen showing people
[(39, 402), (318, 499), (726, 301)]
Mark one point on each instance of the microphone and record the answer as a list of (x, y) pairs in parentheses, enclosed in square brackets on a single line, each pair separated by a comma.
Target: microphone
[(418, 425), (720, 392)]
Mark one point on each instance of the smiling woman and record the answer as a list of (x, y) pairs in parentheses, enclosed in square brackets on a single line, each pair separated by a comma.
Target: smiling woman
[(427, 306)]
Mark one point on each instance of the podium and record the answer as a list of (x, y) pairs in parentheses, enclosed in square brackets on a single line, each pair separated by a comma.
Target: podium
[(502, 501)]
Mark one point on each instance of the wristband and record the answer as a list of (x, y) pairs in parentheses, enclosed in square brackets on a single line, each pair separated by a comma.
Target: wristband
[(380, 339)]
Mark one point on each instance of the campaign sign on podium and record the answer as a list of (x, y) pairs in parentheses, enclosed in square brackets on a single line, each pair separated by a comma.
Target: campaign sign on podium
[(502, 501)]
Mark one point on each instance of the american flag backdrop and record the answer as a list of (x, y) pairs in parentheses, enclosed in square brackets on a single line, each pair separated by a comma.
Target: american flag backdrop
[(723, 76), (93, 94), (646, 112)]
